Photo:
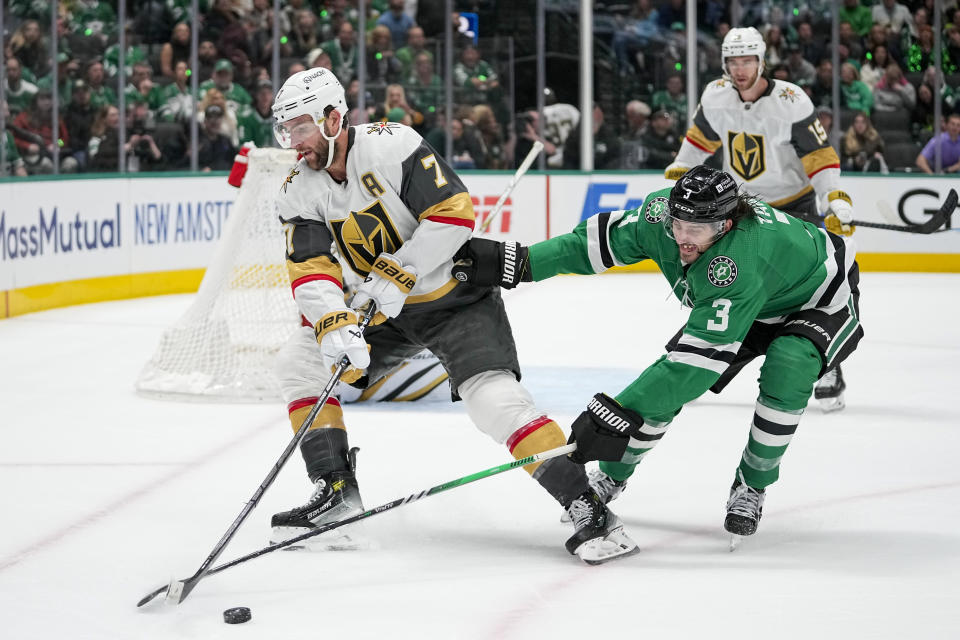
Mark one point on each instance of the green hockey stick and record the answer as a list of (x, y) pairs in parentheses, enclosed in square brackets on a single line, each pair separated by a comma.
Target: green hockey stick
[(459, 482)]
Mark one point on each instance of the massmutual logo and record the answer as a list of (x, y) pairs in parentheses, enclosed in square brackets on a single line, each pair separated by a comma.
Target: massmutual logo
[(747, 154), (656, 210), (52, 231), (722, 271)]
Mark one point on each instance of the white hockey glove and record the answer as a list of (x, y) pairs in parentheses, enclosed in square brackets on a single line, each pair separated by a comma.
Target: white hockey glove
[(839, 214), (675, 171), (388, 284), (339, 335)]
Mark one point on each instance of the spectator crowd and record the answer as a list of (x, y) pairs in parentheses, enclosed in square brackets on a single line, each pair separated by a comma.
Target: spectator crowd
[(888, 82)]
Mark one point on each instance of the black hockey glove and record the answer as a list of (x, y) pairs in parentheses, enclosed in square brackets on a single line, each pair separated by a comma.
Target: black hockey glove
[(488, 263), (603, 430)]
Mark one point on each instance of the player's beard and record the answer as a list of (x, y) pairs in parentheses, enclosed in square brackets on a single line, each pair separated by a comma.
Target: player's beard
[(316, 154)]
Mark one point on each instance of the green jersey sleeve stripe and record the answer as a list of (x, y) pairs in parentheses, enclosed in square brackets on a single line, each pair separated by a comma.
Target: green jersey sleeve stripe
[(598, 240)]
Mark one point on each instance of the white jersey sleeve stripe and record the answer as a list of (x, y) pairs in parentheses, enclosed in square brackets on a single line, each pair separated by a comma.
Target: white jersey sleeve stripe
[(598, 240), (697, 360)]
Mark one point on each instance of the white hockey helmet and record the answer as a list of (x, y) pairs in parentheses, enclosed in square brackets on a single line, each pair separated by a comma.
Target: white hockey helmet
[(309, 92), (743, 41)]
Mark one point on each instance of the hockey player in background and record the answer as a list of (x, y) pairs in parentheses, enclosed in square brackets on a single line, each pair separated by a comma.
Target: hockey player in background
[(773, 143), (377, 200), (759, 283)]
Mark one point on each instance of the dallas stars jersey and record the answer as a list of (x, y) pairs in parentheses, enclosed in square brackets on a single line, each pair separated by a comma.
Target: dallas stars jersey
[(765, 268), (776, 146), (400, 197)]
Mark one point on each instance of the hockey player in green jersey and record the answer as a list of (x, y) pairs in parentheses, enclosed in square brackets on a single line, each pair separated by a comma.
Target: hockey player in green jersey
[(759, 283)]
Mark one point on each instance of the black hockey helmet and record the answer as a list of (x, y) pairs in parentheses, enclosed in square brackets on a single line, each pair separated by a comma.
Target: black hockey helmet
[(703, 195)]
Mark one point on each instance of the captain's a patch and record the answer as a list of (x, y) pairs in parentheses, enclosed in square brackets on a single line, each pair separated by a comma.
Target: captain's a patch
[(722, 271)]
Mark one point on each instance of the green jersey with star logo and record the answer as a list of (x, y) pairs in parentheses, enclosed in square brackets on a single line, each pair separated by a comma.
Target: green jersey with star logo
[(768, 266)]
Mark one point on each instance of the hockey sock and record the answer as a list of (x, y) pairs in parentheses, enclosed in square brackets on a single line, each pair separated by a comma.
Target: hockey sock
[(534, 437), (650, 434), (563, 479), (789, 370), (324, 447)]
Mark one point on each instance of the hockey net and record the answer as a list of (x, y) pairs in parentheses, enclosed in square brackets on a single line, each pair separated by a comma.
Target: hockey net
[(225, 345)]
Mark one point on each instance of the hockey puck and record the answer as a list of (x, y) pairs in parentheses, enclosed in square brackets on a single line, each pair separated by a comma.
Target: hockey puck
[(236, 615)]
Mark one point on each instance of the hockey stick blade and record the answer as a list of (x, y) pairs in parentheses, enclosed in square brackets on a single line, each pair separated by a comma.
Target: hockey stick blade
[(187, 585), (178, 590), (936, 221)]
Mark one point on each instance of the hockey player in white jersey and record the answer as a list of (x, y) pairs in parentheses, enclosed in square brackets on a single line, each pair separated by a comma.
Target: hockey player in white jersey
[(378, 201), (772, 143)]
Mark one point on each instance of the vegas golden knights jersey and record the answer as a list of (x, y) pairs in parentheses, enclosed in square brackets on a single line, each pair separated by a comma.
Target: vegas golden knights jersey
[(775, 147), (400, 197)]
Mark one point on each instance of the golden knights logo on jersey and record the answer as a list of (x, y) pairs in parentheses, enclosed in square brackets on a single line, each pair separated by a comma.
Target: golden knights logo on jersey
[(364, 235), (747, 154)]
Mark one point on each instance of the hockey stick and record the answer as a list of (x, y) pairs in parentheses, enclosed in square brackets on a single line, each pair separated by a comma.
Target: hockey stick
[(524, 167), (936, 221), (413, 497), (178, 590)]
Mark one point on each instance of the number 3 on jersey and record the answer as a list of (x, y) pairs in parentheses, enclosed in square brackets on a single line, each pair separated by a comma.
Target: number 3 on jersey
[(723, 315)]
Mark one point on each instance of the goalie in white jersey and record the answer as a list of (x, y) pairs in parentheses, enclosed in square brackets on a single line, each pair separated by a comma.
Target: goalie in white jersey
[(772, 143), (376, 200)]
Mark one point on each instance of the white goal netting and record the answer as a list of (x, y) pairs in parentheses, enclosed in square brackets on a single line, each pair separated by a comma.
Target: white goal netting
[(224, 346)]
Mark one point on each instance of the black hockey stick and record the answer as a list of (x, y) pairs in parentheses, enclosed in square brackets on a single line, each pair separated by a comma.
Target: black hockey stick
[(178, 590), (932, 225), (413, 497)]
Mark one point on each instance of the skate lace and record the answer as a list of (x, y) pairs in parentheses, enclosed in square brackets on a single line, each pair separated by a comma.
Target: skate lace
[(318, 490), (581, 512), (744, 501), (604, 485), (829, 379)]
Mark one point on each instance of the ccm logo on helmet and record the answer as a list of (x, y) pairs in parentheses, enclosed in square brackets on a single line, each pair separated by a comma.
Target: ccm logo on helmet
[(616, 422)]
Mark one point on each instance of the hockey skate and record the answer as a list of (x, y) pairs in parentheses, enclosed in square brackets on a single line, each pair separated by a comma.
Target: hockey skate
[(829, 390), (744, 509), (606, 487), (336, 496), (599, 536)]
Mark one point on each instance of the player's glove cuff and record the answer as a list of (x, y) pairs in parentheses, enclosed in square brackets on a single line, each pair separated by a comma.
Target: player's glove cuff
[(488, 263), (833, 224), (603, 431), (333, 321), (389, 268), (675, 173)]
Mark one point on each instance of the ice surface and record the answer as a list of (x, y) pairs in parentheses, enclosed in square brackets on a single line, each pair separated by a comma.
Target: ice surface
[(108, 495)]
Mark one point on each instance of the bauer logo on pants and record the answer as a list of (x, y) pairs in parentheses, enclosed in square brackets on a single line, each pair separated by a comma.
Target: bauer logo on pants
[(722, 271)]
